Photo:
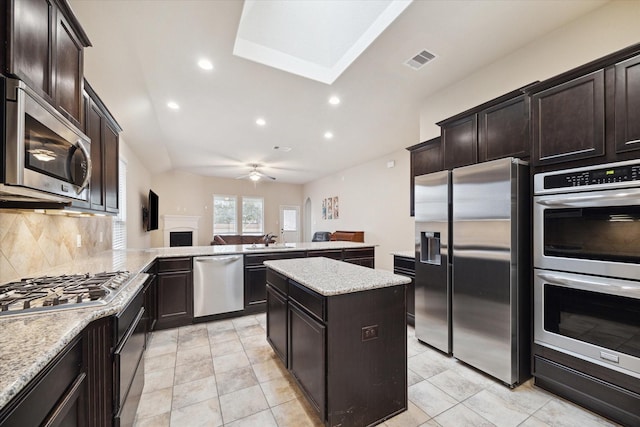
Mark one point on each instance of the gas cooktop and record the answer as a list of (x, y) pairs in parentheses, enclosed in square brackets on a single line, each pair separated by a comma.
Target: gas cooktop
[(60, 292)]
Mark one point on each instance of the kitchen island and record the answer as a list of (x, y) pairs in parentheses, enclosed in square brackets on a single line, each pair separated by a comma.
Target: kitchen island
[(340, 330)]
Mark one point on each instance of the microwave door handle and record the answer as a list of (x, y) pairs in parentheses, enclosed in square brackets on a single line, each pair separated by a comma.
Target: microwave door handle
[(595, 200), (87, 155)]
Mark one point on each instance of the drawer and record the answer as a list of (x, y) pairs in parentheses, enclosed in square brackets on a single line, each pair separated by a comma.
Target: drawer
[(174, 264), (359, 253), (311, 301), (125, 318), (127, 358), (277, 280), (333, 254), (258, 259), (403, 263)]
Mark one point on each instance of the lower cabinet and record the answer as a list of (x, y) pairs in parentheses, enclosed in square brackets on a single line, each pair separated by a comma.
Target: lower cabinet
[(175, 292), (307, 340), (360, 256), (55, 397), (405, 266), (255, 292), (151, 303), (277, 322)]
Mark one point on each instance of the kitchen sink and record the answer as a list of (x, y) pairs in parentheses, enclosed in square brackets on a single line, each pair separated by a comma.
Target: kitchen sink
[(273, 247)]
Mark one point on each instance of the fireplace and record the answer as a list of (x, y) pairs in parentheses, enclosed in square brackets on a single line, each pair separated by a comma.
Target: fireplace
[(180, 238), (180, 230)]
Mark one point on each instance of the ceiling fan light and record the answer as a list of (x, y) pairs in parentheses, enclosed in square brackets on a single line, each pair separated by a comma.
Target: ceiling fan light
[(254, 176)]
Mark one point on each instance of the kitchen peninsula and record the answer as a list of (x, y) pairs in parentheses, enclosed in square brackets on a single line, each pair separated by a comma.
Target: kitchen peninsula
[(340, 330)]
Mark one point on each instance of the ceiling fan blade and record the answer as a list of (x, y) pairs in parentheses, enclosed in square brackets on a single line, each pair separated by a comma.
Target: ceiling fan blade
[(266, 176)]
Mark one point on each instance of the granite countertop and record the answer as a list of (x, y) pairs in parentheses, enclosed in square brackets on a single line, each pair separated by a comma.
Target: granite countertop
[(329, 277), (29, 341), (405, 254)]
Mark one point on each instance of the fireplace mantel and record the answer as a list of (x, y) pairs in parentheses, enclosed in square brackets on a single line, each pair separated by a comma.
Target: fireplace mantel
[(180, 223)]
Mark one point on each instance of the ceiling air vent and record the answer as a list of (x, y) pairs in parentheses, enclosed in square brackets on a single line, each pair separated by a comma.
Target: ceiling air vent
[(420, 59)]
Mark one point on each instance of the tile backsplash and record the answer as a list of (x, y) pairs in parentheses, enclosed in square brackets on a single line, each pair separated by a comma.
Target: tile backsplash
[(31, 242)]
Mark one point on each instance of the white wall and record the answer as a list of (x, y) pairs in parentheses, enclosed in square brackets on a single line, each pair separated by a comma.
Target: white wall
[(372, 198), (138, 184), (604, 31), (182, 193)]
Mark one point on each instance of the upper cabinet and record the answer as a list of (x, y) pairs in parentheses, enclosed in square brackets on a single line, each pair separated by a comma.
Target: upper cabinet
[(627, 105), (588, 115), (569, 120), (101, 127), (45, 46), (426, 157), (496, 129)]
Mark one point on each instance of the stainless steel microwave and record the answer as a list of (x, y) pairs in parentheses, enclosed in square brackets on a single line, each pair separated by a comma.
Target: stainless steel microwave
[(45, 157)]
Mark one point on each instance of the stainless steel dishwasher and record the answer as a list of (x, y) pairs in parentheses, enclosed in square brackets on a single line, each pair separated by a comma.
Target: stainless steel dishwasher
[(218, 284)]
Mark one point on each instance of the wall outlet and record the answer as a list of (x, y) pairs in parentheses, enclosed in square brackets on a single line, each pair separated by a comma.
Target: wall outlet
[(78, 240), (369, 332)]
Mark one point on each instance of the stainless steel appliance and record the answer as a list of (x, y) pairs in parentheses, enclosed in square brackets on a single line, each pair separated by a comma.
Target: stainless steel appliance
[(60, 292), (483, 234), (45, 157), (218, 284), (587, 259)]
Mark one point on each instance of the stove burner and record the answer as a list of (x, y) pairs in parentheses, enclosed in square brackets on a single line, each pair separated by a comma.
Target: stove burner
[(55, 292)]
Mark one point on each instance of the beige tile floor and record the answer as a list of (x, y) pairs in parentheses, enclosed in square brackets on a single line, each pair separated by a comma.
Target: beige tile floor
[(224, 373)]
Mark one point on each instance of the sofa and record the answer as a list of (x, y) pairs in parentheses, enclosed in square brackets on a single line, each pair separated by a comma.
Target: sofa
[(239, 239)]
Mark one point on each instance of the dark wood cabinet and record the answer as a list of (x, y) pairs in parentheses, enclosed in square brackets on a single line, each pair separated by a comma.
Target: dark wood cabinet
[(460, 141), (98, 345), (425, 158), (359, 256), (56, 396), (101, 127), (151, 302), (307, 364), (627, 105), (277, 322), (569, 120), (503, 130), (175, 292), (45, 45), (347, 352), (407, 267)]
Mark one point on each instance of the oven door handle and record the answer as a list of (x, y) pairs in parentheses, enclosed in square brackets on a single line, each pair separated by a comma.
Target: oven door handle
[(604, 285), (622, 197)]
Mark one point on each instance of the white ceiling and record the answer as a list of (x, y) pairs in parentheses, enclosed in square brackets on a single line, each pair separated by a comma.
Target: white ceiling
[(145, 54)]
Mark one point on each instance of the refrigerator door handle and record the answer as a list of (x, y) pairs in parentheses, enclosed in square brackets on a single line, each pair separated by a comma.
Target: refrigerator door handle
[(430, 248)]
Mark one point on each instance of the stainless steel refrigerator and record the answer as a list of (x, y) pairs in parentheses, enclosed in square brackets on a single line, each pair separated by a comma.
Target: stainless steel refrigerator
[(473, 291)]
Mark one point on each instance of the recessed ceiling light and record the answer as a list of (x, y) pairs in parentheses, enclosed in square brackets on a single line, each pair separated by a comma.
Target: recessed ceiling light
[(173, 105), (205, 64), (261, 121), (334, 100), (328, 135)]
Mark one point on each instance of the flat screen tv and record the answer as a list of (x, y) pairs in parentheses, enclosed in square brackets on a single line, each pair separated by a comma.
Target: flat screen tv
[(151, 212)]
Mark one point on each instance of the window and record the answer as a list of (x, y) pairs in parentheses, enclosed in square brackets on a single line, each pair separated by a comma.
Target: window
[(252, 215), (119, 225), (224, 215)]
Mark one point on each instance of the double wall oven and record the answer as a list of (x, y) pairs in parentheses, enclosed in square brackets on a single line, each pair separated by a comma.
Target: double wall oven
[(587, 264)]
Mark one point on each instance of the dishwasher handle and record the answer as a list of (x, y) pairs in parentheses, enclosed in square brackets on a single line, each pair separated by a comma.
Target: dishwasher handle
[(217, 259)]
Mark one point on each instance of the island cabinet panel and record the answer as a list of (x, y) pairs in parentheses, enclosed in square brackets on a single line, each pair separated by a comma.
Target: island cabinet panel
[(277, 323), (307, 341), (360, 256), (175, 292), (56, 396), (367, 377), (569, 120), (627, 105)]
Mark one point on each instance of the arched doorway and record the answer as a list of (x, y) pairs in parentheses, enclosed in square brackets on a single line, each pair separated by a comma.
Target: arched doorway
[(307, 220)]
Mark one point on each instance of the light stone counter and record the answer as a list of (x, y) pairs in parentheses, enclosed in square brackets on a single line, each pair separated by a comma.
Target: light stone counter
[(405, 254), (329, 277), (29, 341)]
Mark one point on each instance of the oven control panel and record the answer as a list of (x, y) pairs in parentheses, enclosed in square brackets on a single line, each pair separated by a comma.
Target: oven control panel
[(596, 176)]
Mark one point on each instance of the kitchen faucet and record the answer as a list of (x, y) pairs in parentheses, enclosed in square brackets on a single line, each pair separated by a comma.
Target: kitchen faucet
[(267, 238)]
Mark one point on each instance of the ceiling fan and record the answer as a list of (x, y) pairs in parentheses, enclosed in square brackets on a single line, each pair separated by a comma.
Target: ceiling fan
[(255, 174)]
